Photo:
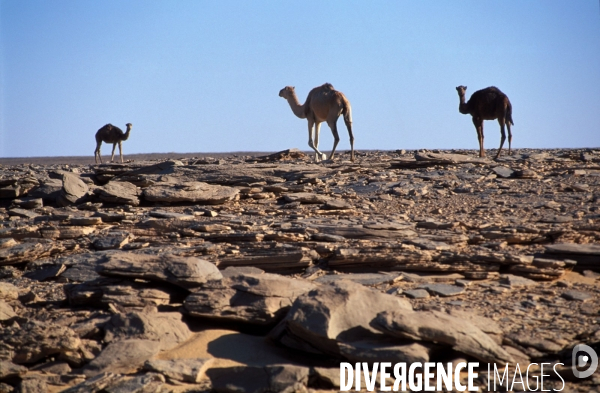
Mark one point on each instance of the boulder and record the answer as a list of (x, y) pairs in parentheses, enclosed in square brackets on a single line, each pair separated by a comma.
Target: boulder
[(124, 357), (73, 190), (119, 192), (336, 320), (191, 192), (259, 299), (165, 329), (186, 272)]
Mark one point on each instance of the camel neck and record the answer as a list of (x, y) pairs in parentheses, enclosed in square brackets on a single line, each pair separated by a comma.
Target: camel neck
[(297, 108), (462, 106)]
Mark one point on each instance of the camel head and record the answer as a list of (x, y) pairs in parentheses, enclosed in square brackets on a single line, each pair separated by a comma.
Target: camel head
[(287, 92), (129, 125), (461, 90)]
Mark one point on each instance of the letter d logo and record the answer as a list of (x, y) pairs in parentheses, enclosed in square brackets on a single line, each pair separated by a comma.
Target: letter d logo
[(578, 359)]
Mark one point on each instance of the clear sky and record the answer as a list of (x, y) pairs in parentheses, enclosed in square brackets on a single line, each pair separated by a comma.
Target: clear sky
[(204, 76)]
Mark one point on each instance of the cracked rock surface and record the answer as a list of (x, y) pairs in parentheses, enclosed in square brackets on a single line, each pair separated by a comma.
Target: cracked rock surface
[(263, 273)]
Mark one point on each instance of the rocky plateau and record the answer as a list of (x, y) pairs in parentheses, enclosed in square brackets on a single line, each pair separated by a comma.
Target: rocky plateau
[(261, 273)]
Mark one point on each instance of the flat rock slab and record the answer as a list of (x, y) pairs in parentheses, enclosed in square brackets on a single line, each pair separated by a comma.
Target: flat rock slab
[(178, 216), (273, 262), (184, 370), (368, 279), (84, 221), (194, 192), (338, 204), (443, 290), (66, 232), (577, 295), (389, 226), (110, 216), (124, 357), (306, 197), (427, 244), (259, 299), (166, 329), (326, 237), (103, 291), (441, 328), (431, 224), (284, 155), (253, 379), (186, 272), (449, 158), (502, 171), (8, 369), (18, 212), (417, 293), (240, 270), (572, 248), (556, 219), (118, 192), (516, 281), (366, 233)]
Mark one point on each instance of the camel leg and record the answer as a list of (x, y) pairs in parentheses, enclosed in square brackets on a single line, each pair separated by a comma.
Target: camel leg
[(479, 127), (112, 157), (509, 137), (336, 138), (502, 137), (97, 153), (121, 152), (317, 132), (349, 127), (311, 144)]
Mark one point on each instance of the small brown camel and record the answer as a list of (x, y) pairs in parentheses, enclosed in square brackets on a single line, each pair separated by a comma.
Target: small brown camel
[(323, 103), (488, 104), (114, 135)]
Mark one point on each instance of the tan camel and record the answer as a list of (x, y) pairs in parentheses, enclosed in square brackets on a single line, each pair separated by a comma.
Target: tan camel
[(487, 104), (114, 135), (323, 103)]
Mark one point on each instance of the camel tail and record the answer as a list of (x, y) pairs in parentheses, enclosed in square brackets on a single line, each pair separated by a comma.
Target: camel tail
[(346, 111), (509, 114)]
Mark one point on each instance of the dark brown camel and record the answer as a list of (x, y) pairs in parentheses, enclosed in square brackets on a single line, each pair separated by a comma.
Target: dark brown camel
[(114, 135), (488, 104), (323, 103)]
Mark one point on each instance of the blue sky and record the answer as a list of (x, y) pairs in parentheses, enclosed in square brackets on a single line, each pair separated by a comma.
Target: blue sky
[(204, 76)]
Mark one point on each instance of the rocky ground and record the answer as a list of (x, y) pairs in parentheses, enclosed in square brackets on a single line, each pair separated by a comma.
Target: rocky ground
[(241, 273)]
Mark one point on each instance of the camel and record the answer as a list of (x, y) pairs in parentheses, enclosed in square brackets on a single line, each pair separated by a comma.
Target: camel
[(323, 103), (488, 104), (114, 135)]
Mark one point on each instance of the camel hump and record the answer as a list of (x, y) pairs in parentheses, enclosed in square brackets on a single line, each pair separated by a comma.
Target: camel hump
[(327, 86)]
